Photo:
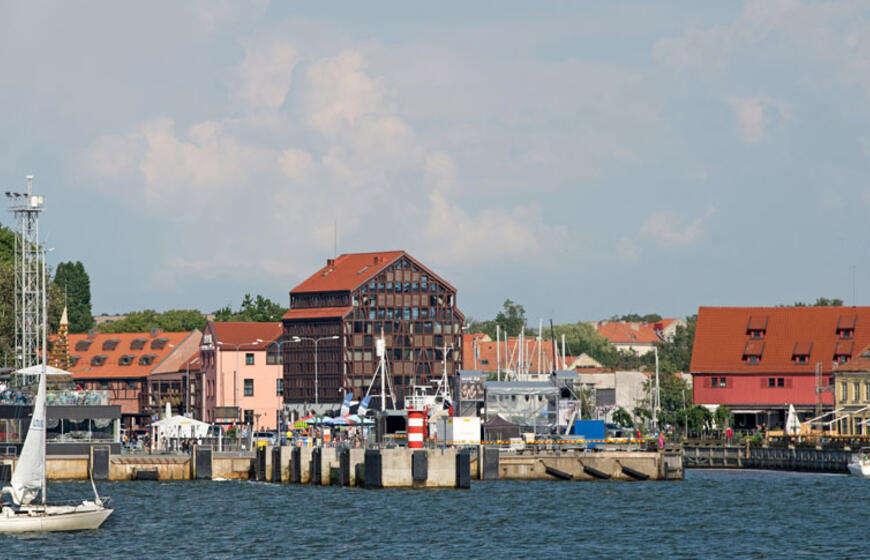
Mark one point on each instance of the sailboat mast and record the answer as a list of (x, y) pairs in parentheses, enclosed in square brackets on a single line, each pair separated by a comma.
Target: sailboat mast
[(44, 372)]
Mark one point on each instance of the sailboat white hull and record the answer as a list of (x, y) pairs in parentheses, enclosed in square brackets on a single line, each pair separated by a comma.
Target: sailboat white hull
[(53, 518)]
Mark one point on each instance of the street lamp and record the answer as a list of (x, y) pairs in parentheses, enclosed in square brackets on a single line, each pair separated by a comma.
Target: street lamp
[(236, 374), (279, 344), (315, 341)]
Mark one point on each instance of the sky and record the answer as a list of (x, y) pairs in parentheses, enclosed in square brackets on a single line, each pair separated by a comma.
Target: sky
[(582, 159)]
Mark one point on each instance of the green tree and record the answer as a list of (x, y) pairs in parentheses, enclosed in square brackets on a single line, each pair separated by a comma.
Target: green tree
[(622, 417), (722, 416), (674, 396), (636, 318), (700, 419), (174, 320), (73, 281), (253, 309), (820, 302), (511, 319), (675, 355)]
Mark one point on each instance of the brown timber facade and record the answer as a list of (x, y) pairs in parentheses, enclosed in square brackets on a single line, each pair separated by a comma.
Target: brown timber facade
[(354, 297)]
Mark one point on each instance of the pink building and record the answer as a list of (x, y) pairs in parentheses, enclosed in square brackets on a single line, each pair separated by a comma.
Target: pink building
[(243, 374)]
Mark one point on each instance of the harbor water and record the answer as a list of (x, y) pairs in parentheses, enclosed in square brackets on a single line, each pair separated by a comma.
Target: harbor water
[(711, 514)]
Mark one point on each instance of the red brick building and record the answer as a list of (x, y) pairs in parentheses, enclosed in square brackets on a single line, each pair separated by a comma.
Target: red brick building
[(352, 298), (758, 360), (122, 363)]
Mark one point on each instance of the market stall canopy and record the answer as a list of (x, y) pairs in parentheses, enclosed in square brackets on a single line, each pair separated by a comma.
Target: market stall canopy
[(37, 370), (180, 427)]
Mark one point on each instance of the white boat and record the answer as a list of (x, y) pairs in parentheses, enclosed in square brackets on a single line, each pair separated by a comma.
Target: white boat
[(28, 483), (860, 463)]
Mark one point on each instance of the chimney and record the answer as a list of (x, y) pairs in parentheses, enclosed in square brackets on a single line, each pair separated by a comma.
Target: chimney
[(155, 331), (376, 259), (330, 262)]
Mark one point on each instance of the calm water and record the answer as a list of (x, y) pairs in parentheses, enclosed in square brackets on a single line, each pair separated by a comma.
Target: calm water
[(712, 514)]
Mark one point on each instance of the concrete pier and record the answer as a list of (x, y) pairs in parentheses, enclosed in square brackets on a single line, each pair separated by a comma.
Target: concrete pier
[(605, 465), (399, 467)]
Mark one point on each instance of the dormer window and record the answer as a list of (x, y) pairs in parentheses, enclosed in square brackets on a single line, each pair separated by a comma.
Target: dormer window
[(757, 326), (147, 360), (843, 351), (110, 344), (83, 345), (126, 360), (159, 343), (73, 360), (99, 360), (846, 326), (138, 343), (801, 352), (753, 351)]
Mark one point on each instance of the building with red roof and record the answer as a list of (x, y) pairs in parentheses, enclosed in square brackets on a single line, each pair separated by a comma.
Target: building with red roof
[(636, 336), (345, 305), (851, 415), (481, 353), (759, 360), (242, 377), (122, 364)]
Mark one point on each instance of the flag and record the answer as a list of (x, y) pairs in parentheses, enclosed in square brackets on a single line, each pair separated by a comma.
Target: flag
[(345, 405), (364, 405)]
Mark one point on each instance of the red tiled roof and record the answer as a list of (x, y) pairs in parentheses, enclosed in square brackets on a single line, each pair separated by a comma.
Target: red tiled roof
[(486, 351), (244, 334), (347, 272), (721, 337), (860, 362), (626, 332), (111, 367), (317, 313)]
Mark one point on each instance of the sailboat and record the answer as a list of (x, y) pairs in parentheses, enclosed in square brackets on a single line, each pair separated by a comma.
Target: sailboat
[(26, 515)]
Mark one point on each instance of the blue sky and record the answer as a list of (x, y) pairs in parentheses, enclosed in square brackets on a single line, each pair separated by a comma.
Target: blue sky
[(583, 160)]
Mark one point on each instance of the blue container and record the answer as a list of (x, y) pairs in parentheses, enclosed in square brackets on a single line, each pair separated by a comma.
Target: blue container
[(591, 430)]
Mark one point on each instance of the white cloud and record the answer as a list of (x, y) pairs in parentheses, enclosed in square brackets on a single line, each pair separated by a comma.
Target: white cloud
[(756, 114), (665, 229), (627, 249), (750, 116), (339, 92), (265, 74)]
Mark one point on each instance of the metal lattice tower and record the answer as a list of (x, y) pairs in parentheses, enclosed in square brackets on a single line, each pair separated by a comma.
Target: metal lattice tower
[(28, 276)]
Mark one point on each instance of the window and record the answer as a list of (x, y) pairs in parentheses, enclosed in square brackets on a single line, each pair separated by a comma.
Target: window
[(110, 344), (249, 359), (159, 343), (757, 326), (280, 386), (844, 391), (147, 360), (721, 382), (771, 382), (857, 386), (138, 343), (753, 351), (126, 360), (715, 382), (83, 345), (249, 387), (780, 382), (846, 326), (99, 360)]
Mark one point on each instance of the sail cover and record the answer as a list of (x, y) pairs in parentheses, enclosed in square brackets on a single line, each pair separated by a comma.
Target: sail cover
[(30, 469)]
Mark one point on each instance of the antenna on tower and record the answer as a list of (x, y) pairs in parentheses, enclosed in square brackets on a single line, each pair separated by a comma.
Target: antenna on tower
[(29, 271)]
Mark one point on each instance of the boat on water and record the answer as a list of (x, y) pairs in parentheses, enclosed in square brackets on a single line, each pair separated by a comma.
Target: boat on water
[(25, 514), (860, 463)]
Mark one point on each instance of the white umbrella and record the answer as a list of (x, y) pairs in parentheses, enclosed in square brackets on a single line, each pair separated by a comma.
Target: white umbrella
[(792, 424)]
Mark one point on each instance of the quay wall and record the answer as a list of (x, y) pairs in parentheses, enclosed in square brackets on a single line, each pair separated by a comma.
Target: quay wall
[(769, 458), (399, 467)]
